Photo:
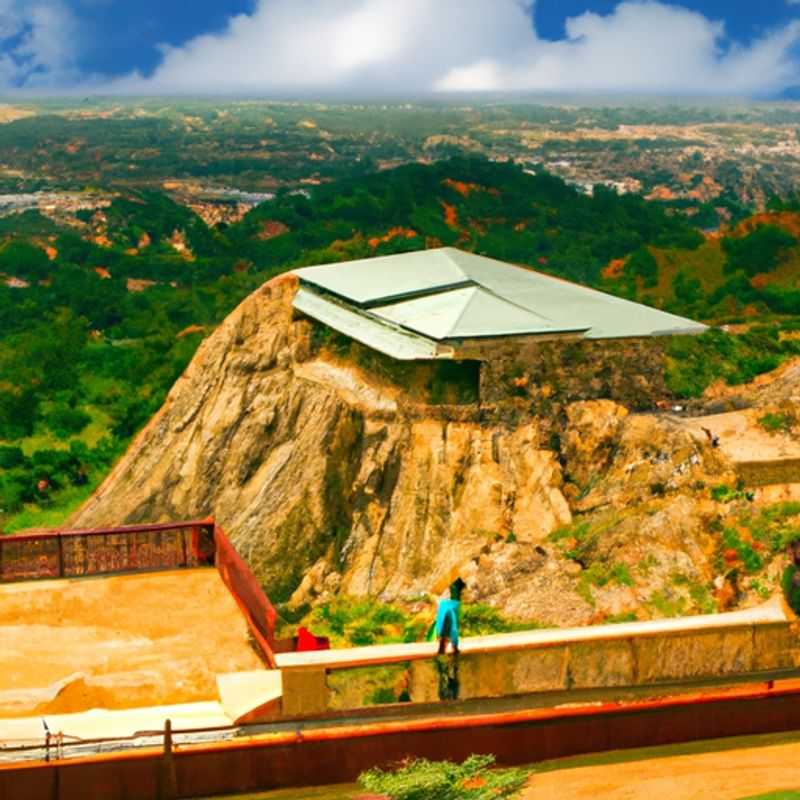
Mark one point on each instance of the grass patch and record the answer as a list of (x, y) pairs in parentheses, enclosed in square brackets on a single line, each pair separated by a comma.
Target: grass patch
[(64, 503), (727, 494), (351, 622), (355, 622), (777, 423), (479, 619), (695, 362), (600, 574), (667, 604)]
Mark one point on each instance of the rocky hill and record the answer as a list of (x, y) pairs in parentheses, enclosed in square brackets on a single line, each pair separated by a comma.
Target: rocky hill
[(333, 481)]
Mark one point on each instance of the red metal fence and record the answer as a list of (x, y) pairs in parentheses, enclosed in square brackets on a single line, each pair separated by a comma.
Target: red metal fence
[(72, 554), (253, 603)]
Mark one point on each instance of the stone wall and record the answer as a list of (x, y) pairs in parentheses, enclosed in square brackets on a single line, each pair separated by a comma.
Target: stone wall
[(629, 371), (769, 472), (616, 663), (674, 656)]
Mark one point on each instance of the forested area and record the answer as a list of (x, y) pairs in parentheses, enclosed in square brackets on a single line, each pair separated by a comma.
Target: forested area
[(93, 335)]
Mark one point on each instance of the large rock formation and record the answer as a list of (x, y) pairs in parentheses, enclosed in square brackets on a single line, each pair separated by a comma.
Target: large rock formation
[(305, 459), (332, 479)]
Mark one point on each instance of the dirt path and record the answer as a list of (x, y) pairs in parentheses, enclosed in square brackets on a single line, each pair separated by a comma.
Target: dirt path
[(724, 774)]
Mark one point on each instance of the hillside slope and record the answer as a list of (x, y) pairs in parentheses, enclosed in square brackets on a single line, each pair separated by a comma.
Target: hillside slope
[(333, 482)]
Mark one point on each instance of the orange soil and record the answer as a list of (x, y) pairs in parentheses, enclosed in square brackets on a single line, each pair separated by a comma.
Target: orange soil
[(271, 229), (614, 269), (450, 215), (726, 775), (123, 641), (788, 220), (394, 233), (466, 189)]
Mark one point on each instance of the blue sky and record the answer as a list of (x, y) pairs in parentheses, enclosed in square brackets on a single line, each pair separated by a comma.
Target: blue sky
[(705, 46)]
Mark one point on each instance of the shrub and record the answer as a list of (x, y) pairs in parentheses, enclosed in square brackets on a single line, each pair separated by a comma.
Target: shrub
[(11, 457), (643, 264), (776, 423), (420, 779), (759, 251), (64, 421), (745, 552), (478, 619), (360, 622)]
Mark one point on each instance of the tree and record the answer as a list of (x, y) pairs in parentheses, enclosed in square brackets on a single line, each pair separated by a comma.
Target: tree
[(643, 264)]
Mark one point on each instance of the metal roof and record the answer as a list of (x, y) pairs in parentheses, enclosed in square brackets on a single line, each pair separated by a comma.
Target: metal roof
[(369, 281), (379, 335), (449, 294), (465, 313)]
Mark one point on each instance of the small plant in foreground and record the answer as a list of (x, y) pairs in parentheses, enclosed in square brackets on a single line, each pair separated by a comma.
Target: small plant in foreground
[(443, 780)]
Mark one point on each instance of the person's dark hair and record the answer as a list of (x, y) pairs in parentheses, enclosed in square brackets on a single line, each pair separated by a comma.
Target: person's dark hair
[(456, 587)]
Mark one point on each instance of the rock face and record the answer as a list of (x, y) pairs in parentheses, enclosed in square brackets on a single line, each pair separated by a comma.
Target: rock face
[(333, 478), (306, 463)]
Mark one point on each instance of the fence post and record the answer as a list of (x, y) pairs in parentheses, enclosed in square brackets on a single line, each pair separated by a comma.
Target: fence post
[(60, 555), (167, 779)]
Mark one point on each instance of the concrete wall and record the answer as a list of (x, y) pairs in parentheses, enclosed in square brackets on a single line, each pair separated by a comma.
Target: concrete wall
[(769, 473), (625, 661), (640, 661)]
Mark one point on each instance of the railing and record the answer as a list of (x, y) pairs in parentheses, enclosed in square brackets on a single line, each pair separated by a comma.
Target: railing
[(103, 551), (253, 602)]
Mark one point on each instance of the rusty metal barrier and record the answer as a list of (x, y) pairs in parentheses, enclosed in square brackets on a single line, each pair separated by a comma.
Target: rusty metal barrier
[(104, 551), (247, 592), (338, 753)]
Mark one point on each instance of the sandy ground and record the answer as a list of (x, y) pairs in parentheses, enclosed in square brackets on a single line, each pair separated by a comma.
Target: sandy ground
[(721, 774), (124, 641), (721, 769), (741, 438)]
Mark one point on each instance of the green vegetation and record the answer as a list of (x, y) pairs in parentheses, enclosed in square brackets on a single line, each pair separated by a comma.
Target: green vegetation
[(420, 779), (780, 422), (726, 494), (643, 265), (667, 603), (694, 362), (479, 619), (555, 228), (758, 251), (352, 622)]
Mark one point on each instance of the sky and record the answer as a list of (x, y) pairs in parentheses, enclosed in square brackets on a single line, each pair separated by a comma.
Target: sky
[(397, 47)]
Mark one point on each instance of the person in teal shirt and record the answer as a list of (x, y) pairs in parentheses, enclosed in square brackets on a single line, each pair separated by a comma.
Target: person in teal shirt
[(790, 582), (447, 617)]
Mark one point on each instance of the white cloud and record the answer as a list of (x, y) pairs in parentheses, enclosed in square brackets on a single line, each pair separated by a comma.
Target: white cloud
[(470, 45), (331, 44), (39, 42), (640, 46)]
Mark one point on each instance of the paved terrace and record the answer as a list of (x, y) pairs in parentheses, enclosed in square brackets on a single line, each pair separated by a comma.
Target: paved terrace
[(118, 642)]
